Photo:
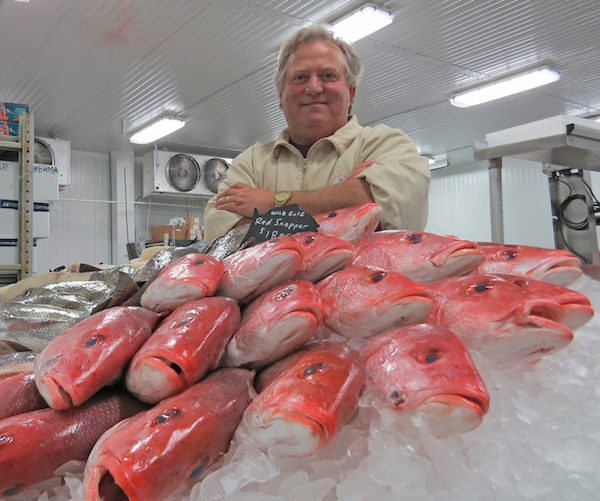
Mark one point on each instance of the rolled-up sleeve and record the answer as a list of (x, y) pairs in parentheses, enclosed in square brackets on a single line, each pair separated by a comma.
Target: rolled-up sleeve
[(399, 181)]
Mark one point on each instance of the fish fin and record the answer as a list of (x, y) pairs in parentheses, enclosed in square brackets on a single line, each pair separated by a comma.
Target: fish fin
[(84, 268), (125, 288), (135, 298)]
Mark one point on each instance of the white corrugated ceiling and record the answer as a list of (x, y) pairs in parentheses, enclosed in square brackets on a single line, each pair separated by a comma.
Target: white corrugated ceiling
[(91, 68)]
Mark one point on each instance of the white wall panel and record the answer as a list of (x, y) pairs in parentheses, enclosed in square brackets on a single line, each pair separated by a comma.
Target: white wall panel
[(459, 203), (80, 230)]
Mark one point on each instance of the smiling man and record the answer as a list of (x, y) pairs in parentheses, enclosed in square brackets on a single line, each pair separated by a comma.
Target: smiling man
[(324, 160)]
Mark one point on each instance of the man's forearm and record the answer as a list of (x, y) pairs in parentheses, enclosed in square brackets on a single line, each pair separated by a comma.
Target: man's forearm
[(347, 194)]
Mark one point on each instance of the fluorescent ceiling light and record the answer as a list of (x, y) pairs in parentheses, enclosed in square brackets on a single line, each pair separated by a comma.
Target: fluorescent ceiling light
[(156, 130), (438, 161), (361, 23), (505, 87)]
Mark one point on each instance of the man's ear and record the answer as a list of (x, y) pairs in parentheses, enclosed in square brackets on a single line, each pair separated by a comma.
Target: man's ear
[(352, 90)]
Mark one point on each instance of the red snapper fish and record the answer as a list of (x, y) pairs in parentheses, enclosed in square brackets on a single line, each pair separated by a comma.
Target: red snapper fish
[(555, 266), (147, 457), (188, 343), (323, 255), (34, 444), (19, 395), (304, 399), (423, 257), (361, 301), (426, 368), (505, 322), (350, 223), (92, 354), (275, 324), (578, 308), (193, 276), (257, 269)]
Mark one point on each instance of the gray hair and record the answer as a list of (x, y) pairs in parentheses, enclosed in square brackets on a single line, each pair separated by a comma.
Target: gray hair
[(311, 34)]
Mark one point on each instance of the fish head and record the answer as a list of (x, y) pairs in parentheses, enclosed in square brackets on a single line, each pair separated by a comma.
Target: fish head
[(305, 399), (257, 269), (421, 256), (193, 276), (426, 368), (578, 308), (323, 255), (506, 322), (350, 223), (362, 301), (555, 266)]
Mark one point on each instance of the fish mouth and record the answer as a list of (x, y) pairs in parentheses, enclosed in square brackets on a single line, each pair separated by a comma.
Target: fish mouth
[(103, 483), (560, 271), (460, 258), (154, 378), (450, 413), (289, 434), (535, 329), (418, 305), (54, 392)]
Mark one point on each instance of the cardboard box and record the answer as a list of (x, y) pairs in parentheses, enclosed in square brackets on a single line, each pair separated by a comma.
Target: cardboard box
[(11, 112), (45, 181), (9, 252), (9, 219), (9, 128), (193, 233), (192, 222), (158, 233)]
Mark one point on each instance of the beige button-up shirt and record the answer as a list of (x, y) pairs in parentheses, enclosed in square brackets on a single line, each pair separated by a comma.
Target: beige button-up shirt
[(399, 182)]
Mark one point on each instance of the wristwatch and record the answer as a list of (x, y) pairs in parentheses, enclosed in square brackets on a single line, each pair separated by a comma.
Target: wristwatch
[(282, 198)]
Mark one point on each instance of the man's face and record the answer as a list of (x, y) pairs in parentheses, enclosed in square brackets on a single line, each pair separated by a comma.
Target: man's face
[(315, 99)]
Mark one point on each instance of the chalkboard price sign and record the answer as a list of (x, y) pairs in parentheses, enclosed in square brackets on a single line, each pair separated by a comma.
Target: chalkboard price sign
[(280, 221)]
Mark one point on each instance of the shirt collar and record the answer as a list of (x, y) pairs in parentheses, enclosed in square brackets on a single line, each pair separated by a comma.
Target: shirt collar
[(340, 139)]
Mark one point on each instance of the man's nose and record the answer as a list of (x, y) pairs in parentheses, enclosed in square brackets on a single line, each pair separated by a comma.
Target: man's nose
[(314, 85)]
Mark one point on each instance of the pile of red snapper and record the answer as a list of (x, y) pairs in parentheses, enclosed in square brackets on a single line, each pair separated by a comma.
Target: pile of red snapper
[(276, 344)]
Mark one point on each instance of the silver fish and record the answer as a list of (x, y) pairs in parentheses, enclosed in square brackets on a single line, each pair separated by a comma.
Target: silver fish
[(14, 363), (230, 243), (26, 336)]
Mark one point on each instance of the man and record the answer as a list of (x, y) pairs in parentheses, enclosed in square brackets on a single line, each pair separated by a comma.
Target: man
[(324, 160)]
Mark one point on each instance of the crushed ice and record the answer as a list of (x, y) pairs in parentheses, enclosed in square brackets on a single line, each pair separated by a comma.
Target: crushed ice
[(539, 440)]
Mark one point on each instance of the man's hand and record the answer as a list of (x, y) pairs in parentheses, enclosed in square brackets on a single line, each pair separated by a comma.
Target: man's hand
[(242, 199)]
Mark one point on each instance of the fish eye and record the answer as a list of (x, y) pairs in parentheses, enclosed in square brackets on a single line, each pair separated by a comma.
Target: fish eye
[(285, 292), (13, 490), (377, 277), (415, 239), (199, 470), (309, 240), (429, 356), (331, 214), (166, 415), (96, 338), (478, 289), (509, 255), (184, 321), (313, 369), (199, 261), (5, 439)]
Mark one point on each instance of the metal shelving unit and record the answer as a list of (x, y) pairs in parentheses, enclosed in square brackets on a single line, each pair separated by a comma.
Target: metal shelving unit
[(25, 147), (567, 159)]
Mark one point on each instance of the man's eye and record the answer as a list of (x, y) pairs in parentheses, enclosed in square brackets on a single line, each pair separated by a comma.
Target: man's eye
[(328, 76), (298, 78)]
